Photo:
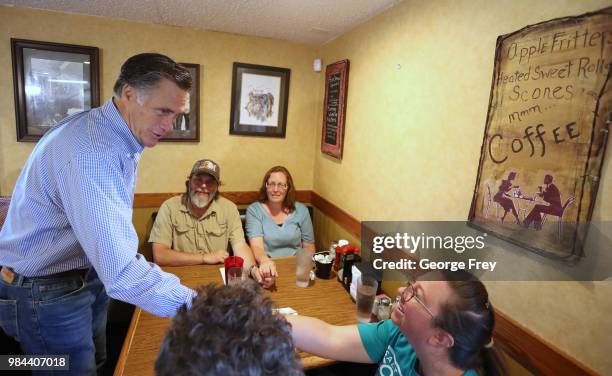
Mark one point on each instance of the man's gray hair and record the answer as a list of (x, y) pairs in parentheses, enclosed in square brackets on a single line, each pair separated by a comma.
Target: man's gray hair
[(144, 72)]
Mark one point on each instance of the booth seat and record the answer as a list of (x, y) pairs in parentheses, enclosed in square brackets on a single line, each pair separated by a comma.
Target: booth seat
[(4, 204), (9, 345)]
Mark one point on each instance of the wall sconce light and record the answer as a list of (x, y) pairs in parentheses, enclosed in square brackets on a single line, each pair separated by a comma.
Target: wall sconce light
[(316, 65)]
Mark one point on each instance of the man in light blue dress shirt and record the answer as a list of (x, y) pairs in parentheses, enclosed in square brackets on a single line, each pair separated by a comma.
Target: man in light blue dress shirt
[(68, 239)]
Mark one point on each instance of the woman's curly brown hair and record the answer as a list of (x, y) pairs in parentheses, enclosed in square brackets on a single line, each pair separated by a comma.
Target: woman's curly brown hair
[(229, 330)]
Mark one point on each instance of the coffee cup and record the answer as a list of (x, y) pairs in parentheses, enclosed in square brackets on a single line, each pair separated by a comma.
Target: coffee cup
[(323, 265)]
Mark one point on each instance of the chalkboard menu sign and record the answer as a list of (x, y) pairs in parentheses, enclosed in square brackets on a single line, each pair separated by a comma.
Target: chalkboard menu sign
[(334, 108)]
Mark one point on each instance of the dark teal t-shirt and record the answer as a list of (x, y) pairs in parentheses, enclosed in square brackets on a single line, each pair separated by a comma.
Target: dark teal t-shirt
[(387, 346)]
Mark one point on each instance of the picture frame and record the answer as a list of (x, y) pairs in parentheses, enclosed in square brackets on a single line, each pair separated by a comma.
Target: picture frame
[(334, 108), (545, 138), (260, 96), (187, 126), (51, 81)]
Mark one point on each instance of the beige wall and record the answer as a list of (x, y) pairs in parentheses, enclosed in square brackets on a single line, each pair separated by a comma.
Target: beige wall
[(419, 86), (418, 94), (327, 230), (243, 160)]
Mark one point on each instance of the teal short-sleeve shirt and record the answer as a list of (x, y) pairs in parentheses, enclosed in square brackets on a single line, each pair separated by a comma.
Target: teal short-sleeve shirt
[(387, 346), (280, 241)]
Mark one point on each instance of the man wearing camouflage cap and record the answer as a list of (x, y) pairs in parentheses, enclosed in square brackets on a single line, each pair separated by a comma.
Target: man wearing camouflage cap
[(196, 227)]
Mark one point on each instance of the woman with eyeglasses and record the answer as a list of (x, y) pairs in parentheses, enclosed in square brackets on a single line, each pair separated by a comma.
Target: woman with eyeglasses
[(438, 327), (276, 224)]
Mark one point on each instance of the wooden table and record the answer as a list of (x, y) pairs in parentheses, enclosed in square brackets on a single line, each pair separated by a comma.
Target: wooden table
[(324, 299)]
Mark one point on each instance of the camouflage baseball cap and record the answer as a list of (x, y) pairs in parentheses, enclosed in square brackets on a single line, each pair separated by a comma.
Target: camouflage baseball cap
[(207, 166)]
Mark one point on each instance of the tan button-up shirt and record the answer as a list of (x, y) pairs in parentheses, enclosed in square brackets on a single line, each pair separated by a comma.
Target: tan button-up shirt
[(177, 228)]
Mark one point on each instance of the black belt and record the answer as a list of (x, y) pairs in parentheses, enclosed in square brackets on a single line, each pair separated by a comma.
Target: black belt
[(10, 277)]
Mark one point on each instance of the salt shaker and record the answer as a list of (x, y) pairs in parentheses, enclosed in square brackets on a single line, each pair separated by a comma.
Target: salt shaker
[(332, 250), (383, 311)]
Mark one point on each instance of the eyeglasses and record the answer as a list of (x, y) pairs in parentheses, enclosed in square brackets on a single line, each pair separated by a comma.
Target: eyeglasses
[(276, 185), (409, 293), (199, 181)]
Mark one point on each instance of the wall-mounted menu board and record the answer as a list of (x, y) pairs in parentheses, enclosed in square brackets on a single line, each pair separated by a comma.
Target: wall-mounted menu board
[(546, 134), (334, 108)]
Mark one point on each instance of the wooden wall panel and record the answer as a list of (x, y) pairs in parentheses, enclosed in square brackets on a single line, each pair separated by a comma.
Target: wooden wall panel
[(525, 346), (151, 200)]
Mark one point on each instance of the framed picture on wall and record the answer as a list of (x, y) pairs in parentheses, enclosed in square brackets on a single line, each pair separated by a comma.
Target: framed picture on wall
[(260, 95), (51, 81), (334, 108), (187, 125), (545, 137)]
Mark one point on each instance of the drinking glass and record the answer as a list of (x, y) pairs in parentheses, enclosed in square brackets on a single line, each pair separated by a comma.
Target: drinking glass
[(366, 292), (303, 266)]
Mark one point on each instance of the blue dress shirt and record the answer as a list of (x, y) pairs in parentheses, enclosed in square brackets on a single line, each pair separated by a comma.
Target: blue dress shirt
[(71, 208)]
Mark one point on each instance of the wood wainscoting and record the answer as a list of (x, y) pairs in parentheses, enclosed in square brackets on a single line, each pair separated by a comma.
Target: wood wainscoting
[(154, 200), (521, 343)]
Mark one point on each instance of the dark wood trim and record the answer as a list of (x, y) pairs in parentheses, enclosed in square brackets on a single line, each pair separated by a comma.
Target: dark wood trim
[(151, 200), (241, 198), (534, 352), (343, 218), (525, 346), (304, 196), (154, 200)]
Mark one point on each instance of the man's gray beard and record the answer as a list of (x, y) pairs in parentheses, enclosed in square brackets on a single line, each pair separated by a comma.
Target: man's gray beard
[(198, 202)]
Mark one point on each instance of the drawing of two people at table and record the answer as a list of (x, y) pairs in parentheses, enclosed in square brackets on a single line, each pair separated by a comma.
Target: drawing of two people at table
[(549, 193)]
